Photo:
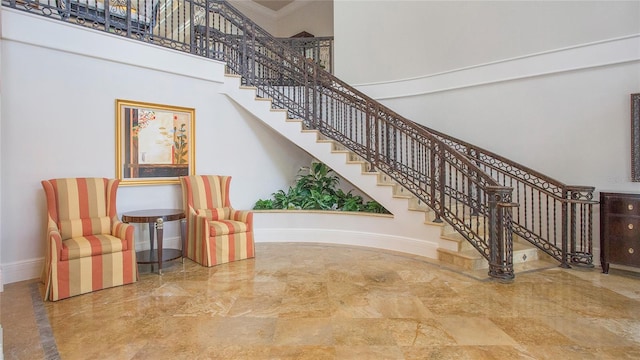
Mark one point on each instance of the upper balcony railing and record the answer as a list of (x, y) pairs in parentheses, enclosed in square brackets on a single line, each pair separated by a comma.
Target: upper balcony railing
[(470, 188), (175, 24)]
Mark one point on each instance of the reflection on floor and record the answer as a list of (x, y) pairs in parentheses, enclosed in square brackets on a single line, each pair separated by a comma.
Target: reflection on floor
[(317, 301)]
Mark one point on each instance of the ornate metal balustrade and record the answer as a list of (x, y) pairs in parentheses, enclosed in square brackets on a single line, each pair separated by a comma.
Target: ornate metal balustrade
[(556, 218), (173, 24), (469, 188)]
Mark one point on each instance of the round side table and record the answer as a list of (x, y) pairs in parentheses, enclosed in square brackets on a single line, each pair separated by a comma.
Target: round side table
[(156, 218)]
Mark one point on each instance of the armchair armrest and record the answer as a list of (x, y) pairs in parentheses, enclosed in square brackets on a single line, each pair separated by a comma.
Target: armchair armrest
[(202, 221), (54, 240), (245, 216), (123, 231)]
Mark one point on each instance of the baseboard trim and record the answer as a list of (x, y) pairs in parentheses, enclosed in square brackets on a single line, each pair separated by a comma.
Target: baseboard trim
[(22, 270), (345, 237)]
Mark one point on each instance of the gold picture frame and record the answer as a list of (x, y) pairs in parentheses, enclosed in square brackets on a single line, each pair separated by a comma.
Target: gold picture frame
[(155, 144), (635, 137)]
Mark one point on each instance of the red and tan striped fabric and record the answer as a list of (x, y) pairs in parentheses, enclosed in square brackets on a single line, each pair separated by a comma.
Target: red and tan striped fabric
[(216, 232), (88, 248)]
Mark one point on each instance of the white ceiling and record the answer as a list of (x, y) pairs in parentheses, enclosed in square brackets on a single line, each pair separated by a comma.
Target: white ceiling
[(274, 5)]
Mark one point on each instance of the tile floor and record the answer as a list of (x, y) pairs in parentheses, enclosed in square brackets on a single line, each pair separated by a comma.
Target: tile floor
[(318, 301)]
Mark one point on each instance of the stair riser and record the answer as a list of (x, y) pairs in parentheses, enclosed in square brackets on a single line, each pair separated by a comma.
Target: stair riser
[(458, 260)]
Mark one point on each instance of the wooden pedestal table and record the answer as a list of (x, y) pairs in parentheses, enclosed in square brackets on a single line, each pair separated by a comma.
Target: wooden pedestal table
[(156, 218)]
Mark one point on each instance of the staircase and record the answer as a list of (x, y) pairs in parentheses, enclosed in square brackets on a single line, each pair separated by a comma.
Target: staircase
[(491, 212), (451, 250)]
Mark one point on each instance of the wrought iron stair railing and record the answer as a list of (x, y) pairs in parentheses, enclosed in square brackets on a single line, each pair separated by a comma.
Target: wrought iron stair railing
[(555, 217), (467, 187)]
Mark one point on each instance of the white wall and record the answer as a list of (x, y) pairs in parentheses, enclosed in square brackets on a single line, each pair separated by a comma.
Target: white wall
[(391, 40), (1, 281), (59, 86)]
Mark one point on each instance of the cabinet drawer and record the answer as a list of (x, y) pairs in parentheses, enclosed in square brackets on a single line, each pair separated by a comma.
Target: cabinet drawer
[(623, 206), (623, 237)]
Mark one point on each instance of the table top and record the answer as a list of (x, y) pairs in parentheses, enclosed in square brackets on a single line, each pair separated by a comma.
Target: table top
[(151, 215)]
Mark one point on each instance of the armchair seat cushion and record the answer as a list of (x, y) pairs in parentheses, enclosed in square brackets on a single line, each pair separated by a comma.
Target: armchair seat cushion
[(226, 227), (91, 245)]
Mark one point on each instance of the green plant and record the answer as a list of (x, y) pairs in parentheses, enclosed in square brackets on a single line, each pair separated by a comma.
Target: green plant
[(375, 207), (348, 201), (318, 177), (264, 204), (316, 189)]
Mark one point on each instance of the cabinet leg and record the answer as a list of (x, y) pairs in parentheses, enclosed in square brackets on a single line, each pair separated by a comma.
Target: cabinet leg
[(151, 240), (159, 237)]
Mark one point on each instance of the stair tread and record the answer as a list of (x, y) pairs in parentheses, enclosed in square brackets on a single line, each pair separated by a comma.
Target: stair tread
[(468, 254), (473, 253)]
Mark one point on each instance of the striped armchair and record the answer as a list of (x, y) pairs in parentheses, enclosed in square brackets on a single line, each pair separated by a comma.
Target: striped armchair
[(88, 248), (216, 233)]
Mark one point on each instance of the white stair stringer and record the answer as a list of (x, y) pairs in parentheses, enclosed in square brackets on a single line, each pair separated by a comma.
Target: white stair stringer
[(406, 231)]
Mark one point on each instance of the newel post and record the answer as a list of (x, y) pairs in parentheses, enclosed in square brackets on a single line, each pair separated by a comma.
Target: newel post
[(579, 223), (500, 233)]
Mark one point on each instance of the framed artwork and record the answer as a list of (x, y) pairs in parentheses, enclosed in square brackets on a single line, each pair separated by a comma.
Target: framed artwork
[(154, 143), (635, 137)]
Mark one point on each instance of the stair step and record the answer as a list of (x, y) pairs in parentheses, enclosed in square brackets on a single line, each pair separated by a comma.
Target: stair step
[(467, 260), (384, 179), (460, 242), (400, 191), (417, 204), (471, 259)]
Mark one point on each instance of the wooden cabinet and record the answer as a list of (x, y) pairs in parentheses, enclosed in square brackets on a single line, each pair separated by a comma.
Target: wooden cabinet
[(619, 229)]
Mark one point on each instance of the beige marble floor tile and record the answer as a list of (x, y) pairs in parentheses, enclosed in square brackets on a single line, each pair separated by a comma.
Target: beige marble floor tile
[(302, 353), (401, 306), (499, 352), (588, 332), (359, 352), (214, 352), (543, 352), (438, 352), (305, 308), (531, 331), (314, 331), (474, 331), (243, 330), (368, 332), (419, 333), (258, 306)]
